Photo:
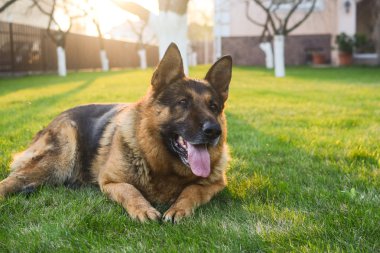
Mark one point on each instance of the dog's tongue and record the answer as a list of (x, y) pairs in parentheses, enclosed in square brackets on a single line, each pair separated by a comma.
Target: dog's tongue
[(199, 160)]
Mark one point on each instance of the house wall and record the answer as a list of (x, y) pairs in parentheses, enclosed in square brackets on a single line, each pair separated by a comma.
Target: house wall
[(241, 37), (21, 13), (328, 19), (322, 21)]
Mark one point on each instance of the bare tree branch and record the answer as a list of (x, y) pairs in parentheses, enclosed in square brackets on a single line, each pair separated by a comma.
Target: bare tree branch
[(90, 13), (266, 34), (277, 24), (133, 8), (268, 13), (139, 32), (176, 6), (302, 20), (291, 12), (249, 16), (50, 14), (6, 5), (58, 37), (279, 20)]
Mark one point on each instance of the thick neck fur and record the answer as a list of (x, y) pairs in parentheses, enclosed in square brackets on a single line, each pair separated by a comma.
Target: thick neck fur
[(159, 159)]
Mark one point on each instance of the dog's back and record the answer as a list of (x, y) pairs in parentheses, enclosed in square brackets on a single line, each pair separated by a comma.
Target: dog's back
[(63, 151), (170, 147), (91, 121)]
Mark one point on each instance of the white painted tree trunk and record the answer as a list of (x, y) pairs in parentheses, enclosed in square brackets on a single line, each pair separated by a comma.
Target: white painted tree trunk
[(61, 57), (171, 27), (142, 56), (217, 47), (104, 61), (267, 49), (193, 59), (206, 49), (279, 55)]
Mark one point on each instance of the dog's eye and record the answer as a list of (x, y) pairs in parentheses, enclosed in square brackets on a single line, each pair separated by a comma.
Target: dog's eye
[(183, 102), (213, 106)]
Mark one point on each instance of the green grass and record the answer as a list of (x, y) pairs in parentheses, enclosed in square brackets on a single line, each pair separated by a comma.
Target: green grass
[(304, 175)]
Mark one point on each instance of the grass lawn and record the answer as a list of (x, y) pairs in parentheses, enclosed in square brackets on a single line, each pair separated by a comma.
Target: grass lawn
[(304, 175)]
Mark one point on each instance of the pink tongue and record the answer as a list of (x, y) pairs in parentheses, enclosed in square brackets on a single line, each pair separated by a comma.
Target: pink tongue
[(199, 160)]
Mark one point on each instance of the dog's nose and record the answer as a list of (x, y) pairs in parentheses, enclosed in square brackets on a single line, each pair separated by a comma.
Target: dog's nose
[(211, 130)]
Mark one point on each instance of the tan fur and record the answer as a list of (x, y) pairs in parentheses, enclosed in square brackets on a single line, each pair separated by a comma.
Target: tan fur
[(132, 164), (45, 161), (148, 168)]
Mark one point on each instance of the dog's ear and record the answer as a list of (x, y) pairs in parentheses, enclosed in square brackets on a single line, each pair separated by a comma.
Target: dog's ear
[(219, 76), (169, 69)]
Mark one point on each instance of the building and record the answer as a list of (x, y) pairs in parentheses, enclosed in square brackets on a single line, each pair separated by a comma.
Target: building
[(235, 34)]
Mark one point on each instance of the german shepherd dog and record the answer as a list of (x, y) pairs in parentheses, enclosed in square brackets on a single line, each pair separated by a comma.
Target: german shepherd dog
[(168, 148)]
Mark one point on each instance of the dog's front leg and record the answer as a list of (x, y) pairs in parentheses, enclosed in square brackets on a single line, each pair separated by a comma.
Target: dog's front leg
[(132, 200), (190, 198)]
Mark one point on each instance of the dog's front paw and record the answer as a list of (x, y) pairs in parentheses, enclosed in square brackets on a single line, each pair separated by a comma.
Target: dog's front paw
[(144, 213), (176, 213)]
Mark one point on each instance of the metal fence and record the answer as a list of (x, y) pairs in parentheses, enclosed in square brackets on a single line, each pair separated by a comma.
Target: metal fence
[(27, 49)]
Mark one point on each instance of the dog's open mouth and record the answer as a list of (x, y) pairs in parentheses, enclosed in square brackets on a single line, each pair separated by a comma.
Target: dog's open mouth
[(195, 156)]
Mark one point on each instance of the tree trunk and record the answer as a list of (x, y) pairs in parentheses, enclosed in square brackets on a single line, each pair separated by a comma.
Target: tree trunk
[(142, 56), (206, 49), (172, 27), (61, 57), (103, 54), (104, 60), (267, 49), (279, 56), (193, 59)]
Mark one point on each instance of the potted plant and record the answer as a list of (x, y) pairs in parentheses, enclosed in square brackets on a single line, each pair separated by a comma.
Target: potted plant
[(346, 45), (318, 57)]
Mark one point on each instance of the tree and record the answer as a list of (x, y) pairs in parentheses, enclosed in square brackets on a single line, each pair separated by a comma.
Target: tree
[(139, 29), (277, 24), (201, 30), (72, 10), (170, 25), (6, 4), (89, 10), (103, 54), (56, 30)]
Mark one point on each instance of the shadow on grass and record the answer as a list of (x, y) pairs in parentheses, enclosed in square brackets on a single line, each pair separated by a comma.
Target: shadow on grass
[(41, 104), (271, 177), (279, 198), (21, 116), (255, 151), (9, 85)]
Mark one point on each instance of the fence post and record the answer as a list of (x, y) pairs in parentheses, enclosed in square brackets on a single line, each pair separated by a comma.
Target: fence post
[(13, 67)]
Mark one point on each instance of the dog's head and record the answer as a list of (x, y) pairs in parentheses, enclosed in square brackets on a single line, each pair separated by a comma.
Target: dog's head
[(191, 121)]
